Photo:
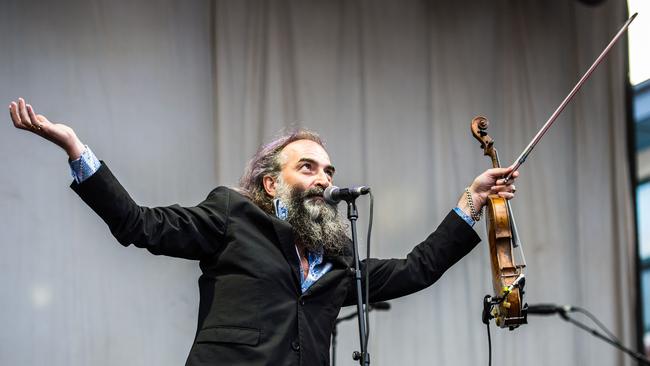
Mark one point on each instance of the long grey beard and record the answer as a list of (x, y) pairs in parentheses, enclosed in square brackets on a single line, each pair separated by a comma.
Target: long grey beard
[(316, 224)]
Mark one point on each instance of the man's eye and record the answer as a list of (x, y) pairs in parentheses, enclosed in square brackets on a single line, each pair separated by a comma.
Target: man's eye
[(306, 166)]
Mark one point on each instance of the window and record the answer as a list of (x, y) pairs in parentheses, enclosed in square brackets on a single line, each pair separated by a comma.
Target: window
[(639, 56)]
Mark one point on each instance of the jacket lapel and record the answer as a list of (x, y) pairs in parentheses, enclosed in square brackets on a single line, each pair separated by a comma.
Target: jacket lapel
[(285, 238)]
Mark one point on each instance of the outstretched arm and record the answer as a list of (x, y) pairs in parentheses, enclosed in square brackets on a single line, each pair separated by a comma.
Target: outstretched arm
[(452, 240), (187, 232)]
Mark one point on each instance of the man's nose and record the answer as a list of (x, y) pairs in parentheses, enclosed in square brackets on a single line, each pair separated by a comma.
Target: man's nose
[(323, 180)]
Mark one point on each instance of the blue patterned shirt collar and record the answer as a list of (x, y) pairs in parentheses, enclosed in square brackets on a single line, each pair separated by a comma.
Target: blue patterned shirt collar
[(316, 269)]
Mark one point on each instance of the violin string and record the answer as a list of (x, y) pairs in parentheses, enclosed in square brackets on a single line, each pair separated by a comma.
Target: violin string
[(515, 241)]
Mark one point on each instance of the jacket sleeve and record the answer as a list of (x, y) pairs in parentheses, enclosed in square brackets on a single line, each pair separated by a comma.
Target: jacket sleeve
[(424, 265), (185, 232)]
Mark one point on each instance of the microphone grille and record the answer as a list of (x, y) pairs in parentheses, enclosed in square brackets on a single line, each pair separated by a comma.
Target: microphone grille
[(328, 194)]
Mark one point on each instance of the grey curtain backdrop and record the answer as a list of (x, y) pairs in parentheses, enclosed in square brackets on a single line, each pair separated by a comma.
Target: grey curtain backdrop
[(176, 96)]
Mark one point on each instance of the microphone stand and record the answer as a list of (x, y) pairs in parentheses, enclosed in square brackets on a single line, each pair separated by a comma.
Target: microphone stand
[(363, 357), (371, 307), (636, 355)]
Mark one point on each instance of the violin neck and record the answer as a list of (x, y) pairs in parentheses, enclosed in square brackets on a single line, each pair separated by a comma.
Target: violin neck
[(494, 155)]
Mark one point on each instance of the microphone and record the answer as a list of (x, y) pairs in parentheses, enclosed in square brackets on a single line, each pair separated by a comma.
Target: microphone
[(548, 309), (382, 305), (334, 194)]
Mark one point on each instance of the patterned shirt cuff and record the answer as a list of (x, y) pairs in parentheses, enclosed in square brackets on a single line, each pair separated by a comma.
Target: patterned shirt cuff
[(82, 168), (468, 219)]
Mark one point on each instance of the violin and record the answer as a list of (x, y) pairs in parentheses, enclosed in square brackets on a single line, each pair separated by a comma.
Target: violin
[(507, 305)]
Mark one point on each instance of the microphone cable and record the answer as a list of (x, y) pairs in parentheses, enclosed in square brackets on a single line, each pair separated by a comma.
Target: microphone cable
[(641, 358), (489, 345), (486, 299), (595, 320)]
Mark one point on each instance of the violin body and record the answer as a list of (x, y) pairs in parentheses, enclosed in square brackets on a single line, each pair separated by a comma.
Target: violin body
[(507, 313)]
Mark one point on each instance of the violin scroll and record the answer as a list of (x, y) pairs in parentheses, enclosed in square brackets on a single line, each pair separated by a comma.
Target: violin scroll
[(479, 131)]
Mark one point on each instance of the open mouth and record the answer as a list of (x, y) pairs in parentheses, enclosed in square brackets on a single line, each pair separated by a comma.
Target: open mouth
[(315, 198)]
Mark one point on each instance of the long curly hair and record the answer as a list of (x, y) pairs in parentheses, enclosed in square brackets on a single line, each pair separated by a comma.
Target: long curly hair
[(266, 161)]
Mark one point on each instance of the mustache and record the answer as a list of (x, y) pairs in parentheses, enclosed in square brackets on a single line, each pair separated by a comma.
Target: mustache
[(312, 192)]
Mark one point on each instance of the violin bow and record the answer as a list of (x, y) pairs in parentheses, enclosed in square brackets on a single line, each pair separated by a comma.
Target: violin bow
[(524, 155)]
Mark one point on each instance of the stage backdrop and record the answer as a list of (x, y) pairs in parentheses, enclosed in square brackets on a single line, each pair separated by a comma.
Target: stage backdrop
[(176, 96)]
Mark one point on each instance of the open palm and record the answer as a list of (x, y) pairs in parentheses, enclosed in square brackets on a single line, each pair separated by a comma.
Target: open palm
[(24, 118)]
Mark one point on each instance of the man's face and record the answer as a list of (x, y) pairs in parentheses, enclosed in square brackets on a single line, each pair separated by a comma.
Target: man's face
[(306, 172), (305, 166)]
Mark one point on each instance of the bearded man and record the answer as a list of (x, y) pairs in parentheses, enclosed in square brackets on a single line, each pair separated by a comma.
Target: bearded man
[(275, 257)]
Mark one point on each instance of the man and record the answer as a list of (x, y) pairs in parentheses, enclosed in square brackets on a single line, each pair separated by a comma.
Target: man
[(275, 257)]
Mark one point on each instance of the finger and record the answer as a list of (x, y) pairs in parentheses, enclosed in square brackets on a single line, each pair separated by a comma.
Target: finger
[(502, 182), (506, 195), (22, 110), (13, 111), (20, 122), (497, 172), (511, 179), (33, 118), (503, 188)]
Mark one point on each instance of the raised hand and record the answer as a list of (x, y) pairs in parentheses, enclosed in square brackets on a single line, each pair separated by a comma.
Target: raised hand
[(24, 118), (490, 182)]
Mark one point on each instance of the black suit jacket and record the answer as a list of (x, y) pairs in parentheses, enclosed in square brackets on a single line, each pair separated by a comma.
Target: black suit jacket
[(252, 311)]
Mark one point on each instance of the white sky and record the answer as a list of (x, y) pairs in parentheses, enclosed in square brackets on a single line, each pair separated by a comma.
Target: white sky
[(639, 41)]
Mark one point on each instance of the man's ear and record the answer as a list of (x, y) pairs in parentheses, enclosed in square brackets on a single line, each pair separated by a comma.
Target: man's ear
[(269, 185)]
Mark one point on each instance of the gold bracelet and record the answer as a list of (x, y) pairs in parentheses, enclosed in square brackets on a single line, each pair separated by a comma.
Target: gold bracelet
[(476, 216)]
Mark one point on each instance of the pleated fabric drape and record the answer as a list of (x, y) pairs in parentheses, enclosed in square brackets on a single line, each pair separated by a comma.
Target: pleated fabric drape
[(176, 96), (393, 87)]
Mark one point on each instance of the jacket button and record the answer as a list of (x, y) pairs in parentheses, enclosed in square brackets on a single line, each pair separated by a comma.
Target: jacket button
[(295, 346), (302, 302)]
